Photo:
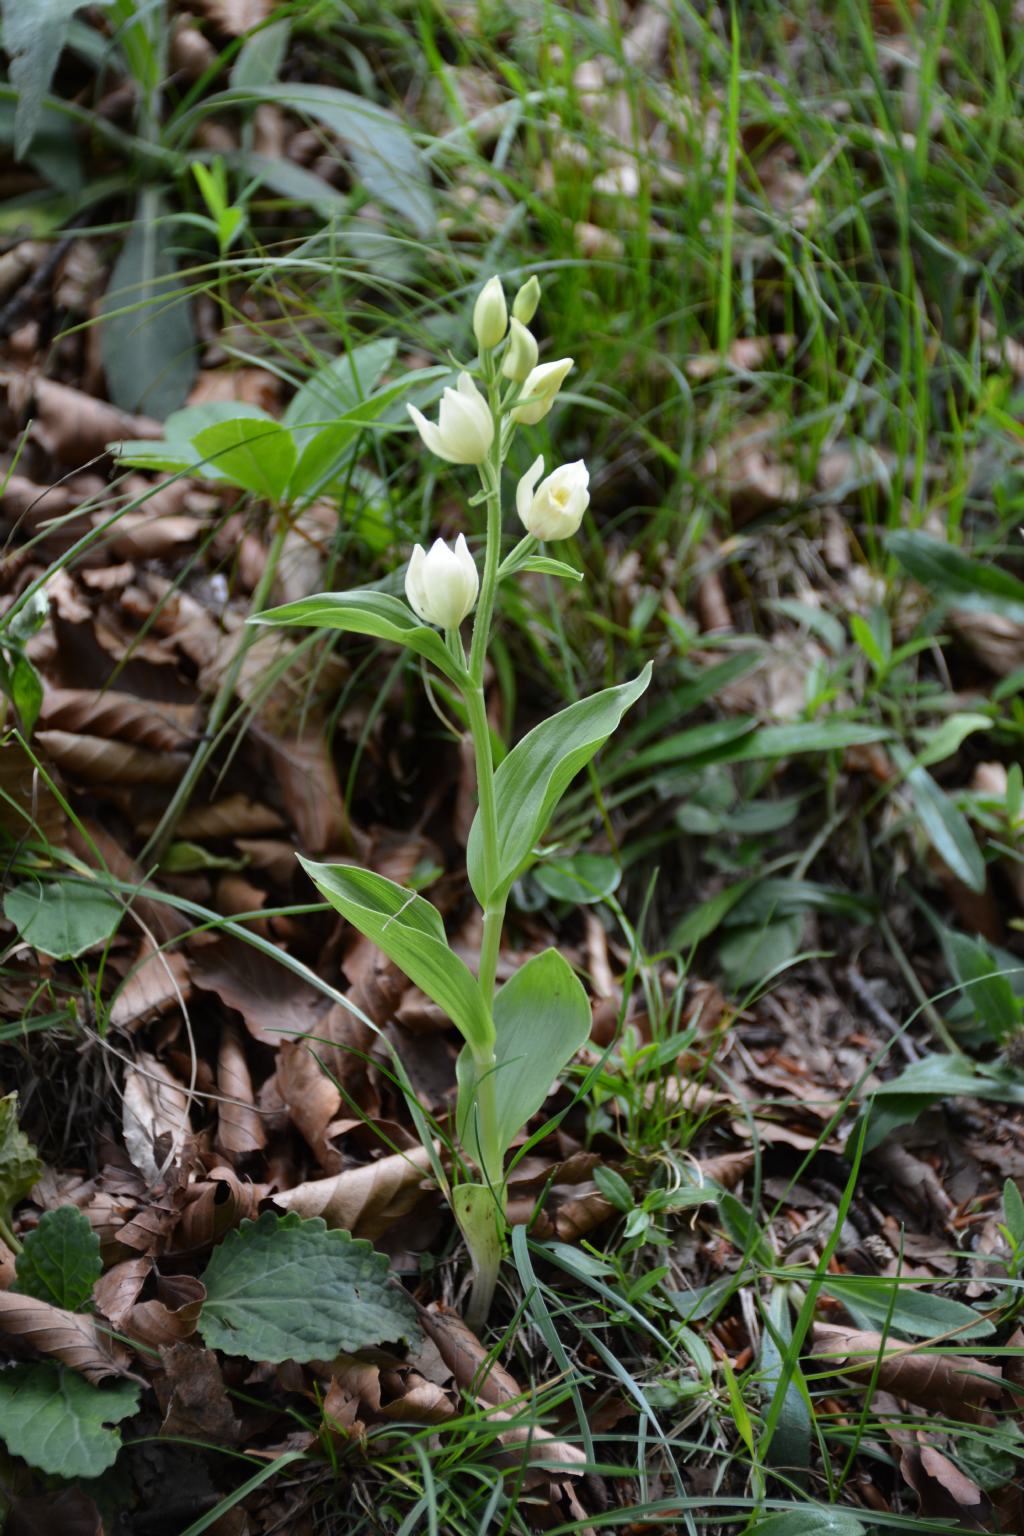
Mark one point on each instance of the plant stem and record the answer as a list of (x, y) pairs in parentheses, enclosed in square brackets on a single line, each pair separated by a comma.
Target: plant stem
[(7, 1236), (157, 844)]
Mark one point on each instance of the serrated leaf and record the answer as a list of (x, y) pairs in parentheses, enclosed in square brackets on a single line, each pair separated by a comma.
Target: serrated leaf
[(58, 1422), (284, 1288), (533, 778), (146, 339), (60, 1260), (409, 930), (20, 1166), (62, 918)]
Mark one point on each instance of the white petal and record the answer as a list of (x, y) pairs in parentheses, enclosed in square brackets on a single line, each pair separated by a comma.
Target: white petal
[(428, 431), (525, 488)]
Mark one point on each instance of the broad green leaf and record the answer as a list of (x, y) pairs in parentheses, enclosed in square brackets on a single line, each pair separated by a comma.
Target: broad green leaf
[(258, 61), (948, 737), (386, 159), (1013, 1212), (777, 897), (809, 1520), (62, 918), (19, 1163), (703, 919), (900, 1100), (259, 456), (177, 451), (533, 777), (329, 448), (288, 180), (830, 734), (751, 955), (365, 612), (58, 1422), (284, 1288), (917, 1313), (60, 1260), (975, 584), (143, 454), (147, 341), (990, 996), (541, 1019), (582, 878), (34, 34), (410, 932), (946, 827), (339, 386)]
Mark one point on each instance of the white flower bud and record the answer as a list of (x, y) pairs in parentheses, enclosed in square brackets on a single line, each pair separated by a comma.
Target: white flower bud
[(521, 354), (442, 586), (464, 430), (539, 390), (490, 314), (524, 305), (554, 510)]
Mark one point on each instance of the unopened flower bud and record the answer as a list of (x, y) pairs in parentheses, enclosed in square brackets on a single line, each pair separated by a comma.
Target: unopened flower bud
[(490, 315), (539, 390), (554, 509), (524, 305), (442, 586), (521, 354), (464, 430)]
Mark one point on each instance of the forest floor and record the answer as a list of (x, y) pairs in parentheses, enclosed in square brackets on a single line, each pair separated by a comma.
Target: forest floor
[(768, 1249)]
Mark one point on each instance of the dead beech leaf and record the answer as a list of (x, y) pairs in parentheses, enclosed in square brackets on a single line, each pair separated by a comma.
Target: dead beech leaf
[(275, 1004), (145, 536), (28, 807), (309, 787), (236, 16), (142, 722), (172, 1315), (234, 816), (312, 1099), (192, 1396), (116, 1292), (70, 1337), (995, 639), (72, 425), (474, 1369), (156, 1123), (96, 760), (945, 1383), (239, 1126), (366, 1200), (214, 1207), (158, 980), (422, 1401)]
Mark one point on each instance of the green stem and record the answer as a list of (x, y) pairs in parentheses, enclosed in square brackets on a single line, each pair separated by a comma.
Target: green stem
[(157, 844), (7, 1236)]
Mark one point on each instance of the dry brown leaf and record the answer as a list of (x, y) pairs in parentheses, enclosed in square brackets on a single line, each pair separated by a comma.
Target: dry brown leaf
[(28, 807), (70, 424), (474, 1369), (313, 1100), (996, 640), (97, 761), (117, 1291), (70, 1337), (239, 1125), (193, 1397), (253, 386), (234, 816), (69, 1513), (236, 16), (158, 980), (366, 1200), (944, 1383), (275, 1004), (744, 354), (172, 1315), (149, 535), (156, 1123), (309, 787), (142, 722), (214, 1207), (424, 1402)]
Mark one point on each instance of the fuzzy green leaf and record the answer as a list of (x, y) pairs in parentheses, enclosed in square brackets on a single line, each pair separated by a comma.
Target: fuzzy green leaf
[(59, 1422), (281, 1288), (60, 1261)]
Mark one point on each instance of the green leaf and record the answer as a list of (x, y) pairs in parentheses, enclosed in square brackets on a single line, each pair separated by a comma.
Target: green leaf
[(613, 1186), (59, 1423), (258, 61), (545, 566), (790, 1445), (26, 692), (383, 153), (284, 1288), (583, 878), (1013, 1213), (990, 995), (533, 777), (950, 736), (946, 827), (365, 612), (62, 918), (19, 1163), (750, 955), (339, 386), (147, 342), (974, 584), (809, 1520), (704, 918), (913, 1312), (900, 1100), (330, 447), (259, 456), (409, 930), (34, 35), (541, 1019), (60, 1260)]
